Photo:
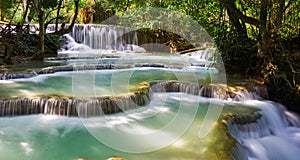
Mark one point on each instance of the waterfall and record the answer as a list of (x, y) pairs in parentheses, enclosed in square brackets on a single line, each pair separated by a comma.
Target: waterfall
[(189, 88), (103, 36), (268, 133), (72, 45), (26, 106), (110, 105), (211, 91), (90, 107), (238, 152), (72, 106), (204, 54), (259, 135), (96, 36)]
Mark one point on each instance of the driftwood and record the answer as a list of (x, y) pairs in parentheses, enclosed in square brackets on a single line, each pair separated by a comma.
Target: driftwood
[(194, 49)]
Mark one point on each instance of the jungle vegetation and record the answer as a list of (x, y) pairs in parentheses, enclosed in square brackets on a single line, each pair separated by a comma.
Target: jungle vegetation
[(256, 38)]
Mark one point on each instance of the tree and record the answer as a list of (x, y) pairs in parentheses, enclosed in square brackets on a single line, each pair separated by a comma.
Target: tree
[(41, 18), (268, 23), (274, 26), (68, 29), (25, 10), (5, 6), (38, 4)]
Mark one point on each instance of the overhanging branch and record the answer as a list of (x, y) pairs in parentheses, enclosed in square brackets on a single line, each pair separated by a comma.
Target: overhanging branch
[(230, 4)]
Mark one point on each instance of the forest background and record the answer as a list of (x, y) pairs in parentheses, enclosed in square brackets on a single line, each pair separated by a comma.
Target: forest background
[(257, 39)]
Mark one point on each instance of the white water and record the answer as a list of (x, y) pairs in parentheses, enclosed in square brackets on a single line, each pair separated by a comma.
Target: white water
[(272, 137), (200, 54), (96, 36), (38, 137), (72, 45), (104, 37)]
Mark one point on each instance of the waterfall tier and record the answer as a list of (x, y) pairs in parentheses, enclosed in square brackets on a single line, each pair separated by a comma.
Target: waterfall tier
[(212, 91), (259, 134), (97, 36), (103, 36), (72, 106), (107, 105), (204, 54)]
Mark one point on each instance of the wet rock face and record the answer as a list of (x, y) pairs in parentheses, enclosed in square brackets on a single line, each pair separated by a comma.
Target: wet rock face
[(243, 119)]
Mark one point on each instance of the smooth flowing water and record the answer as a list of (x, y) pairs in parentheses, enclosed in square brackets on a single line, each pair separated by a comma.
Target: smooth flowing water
[(57, 137), (48, 84)]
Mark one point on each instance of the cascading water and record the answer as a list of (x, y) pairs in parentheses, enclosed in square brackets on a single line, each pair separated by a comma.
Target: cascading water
[(72, 45), (93, 36), (204, 54), (257, 134), (103, 36), (71, 107), (270, 134)]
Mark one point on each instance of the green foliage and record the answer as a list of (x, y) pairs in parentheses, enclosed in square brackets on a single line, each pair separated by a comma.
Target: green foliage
[(5, 6), (49, 4), (28, 44), (1, 61), (53, 43)]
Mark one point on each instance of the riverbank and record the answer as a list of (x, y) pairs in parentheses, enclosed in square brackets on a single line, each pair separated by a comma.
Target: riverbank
[(284, 95)]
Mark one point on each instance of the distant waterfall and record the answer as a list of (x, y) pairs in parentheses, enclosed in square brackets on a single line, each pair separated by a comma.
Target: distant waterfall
[(99, 36), (103, 36)]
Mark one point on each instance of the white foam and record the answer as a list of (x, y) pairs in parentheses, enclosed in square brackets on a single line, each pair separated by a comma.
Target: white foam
[(6, 81)]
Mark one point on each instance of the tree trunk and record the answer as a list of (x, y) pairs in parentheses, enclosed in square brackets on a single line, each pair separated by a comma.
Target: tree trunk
[(8, 52), (41, 52), (19, 31), (57, 15), (63, 31), (236, 22), (264, 43), (25, 8), (1, 16)]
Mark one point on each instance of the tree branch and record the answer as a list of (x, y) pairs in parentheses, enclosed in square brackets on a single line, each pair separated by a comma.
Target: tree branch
[(287, 6), (52, 19), (57, 14), (231, 5), (279, 13), (63, 31)]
